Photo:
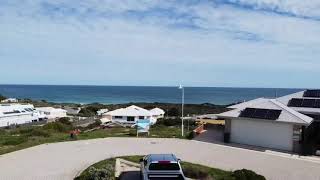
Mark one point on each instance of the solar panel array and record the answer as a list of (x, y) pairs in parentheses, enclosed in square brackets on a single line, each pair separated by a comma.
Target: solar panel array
[(314, 116), (300, 102), (312, 93), (257, 113)]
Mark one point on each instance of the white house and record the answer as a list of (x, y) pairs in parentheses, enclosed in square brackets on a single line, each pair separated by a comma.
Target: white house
[(157, 113), (102, 111), (10, 100), (14, 114), (52, 113), (285, 123), (72, 110), (129, 115)]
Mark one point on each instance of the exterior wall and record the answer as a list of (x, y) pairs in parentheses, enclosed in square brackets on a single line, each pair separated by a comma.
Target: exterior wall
[(227, 126), (53, 114), (268, 134), (16, 119), (124, 119), (297, 137)]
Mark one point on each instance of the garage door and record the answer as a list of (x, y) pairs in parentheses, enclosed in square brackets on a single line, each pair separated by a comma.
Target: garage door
[(262, 133)]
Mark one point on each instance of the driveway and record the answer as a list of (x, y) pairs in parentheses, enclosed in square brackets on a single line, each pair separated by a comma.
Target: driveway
[(65, 160)]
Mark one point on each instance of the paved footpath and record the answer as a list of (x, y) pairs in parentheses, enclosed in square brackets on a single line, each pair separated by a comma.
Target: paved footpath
[(65, 160)]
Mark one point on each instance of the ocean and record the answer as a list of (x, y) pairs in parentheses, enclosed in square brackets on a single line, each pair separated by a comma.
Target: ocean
[(126, 94)]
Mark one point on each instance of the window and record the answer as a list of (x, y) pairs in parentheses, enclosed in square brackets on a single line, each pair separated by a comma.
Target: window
[(164, 166), (118, 117), (130, 118), (141, 117)]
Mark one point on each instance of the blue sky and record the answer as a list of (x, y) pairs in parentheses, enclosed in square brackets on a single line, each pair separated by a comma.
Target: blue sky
[(242, 43)]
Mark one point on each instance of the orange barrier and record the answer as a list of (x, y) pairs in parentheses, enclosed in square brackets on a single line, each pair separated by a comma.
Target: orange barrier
[(199, 129)]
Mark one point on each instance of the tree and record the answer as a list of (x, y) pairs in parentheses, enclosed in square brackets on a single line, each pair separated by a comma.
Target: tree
[(173, 112)]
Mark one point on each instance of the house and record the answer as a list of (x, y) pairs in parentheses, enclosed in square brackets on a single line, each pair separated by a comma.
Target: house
[(102, 111), (52, 113), (15, 114), (129, 115), (289, 123), (10, 100), (72, 110), (157, 113)]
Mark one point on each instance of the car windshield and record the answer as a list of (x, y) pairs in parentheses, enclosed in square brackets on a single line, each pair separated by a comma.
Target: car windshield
[(164, 166), (163, 178)]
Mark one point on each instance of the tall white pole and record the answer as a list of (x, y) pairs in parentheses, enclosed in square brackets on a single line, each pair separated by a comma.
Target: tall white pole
[(182, 118)]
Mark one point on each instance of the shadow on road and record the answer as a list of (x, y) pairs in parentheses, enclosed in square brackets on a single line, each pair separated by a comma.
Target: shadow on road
[(130, 175)]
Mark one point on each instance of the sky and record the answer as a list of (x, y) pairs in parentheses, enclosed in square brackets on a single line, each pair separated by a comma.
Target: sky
[(225, 43)]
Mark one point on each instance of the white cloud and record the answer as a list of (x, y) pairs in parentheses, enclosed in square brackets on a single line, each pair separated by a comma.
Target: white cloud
[(305, 8)]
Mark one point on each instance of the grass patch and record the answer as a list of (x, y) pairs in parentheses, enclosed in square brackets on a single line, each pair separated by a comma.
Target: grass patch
[(88, 174), (24, 137)]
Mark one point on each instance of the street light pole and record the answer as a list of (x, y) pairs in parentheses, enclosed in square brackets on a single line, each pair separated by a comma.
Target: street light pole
[(182, 106)]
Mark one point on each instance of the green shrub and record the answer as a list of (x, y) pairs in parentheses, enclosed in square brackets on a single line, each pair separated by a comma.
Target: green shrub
[(2, 97), (65, 120), (57, 127), (105, 173), (32, 131), (94, 125), (38, 132), (14, 140), (173, 112), (91, 109), (169, 122), (2, 131), (196, 173), (190, 135), (245, 174), (100, 174)]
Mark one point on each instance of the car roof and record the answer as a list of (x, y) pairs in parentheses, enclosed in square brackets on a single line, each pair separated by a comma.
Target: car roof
[(162, 157)]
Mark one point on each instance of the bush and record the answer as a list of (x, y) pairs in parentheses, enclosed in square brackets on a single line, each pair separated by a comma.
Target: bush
[(2, 97), (245, 174), (101, 174), (34, 132), (57, 126), (14, 140), (65, 120), (173, 112), (94, 125), (190, 135), (38, 132), (2, 131), (169, 122), (91, 109), (196, 173)]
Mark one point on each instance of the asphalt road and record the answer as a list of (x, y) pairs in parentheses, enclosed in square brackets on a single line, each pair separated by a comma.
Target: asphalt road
[(65, 160)]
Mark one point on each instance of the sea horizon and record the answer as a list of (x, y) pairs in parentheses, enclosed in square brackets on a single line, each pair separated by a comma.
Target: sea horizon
[(114, 85), (117, 94)]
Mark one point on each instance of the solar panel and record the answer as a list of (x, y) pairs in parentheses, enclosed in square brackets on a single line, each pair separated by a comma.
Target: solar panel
[(295, 102), (258, 113), (273, 114), (314, 116), (317, 103), (312, 93), (248, 112), (309, 103)]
